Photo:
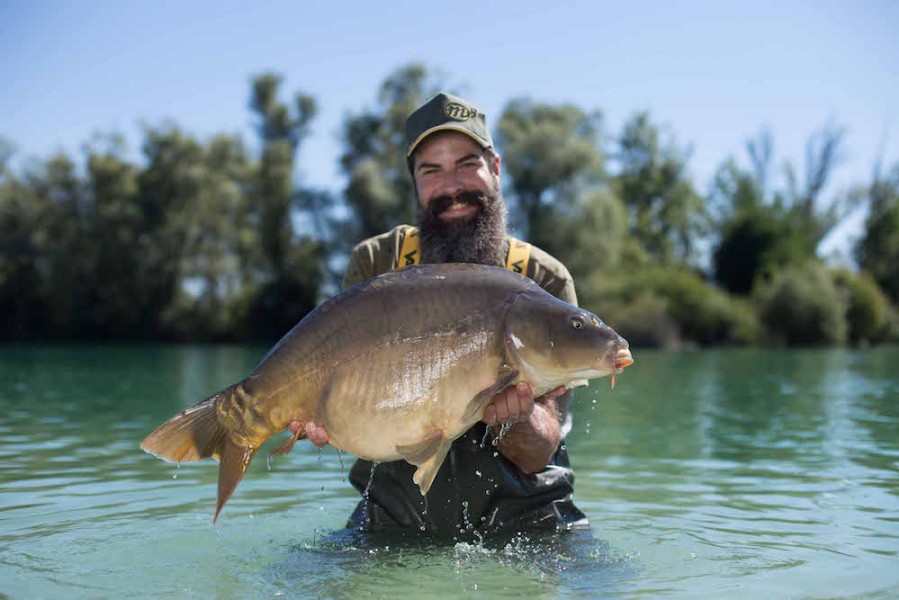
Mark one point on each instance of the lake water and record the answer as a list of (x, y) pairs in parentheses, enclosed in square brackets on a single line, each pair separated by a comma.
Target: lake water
[(732, 473)]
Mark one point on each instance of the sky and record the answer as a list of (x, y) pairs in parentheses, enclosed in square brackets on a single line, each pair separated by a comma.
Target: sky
[(712, 73)]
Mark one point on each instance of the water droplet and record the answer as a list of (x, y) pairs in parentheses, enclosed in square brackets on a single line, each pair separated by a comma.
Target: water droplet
[(371, 478), (484, 440), (503, 430)]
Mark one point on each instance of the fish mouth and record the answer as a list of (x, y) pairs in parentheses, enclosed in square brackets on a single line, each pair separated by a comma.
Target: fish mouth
[(622, 359)]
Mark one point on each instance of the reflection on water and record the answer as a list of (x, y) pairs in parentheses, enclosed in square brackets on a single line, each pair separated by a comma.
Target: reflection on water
[(739, 472)]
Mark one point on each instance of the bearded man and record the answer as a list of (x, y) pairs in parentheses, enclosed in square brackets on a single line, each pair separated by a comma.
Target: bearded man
[(522, 479)]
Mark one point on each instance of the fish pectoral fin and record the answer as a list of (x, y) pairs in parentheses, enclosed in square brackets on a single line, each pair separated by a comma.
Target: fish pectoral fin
[(287, 445), (428, 456), (475, 408), (420, 452)]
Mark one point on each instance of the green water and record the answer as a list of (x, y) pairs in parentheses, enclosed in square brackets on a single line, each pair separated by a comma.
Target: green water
[(738, 474)]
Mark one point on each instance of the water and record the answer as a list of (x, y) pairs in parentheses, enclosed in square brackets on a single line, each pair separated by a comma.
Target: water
[(739, 474)]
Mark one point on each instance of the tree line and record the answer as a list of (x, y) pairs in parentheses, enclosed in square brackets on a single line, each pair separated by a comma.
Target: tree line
[(208, 240)]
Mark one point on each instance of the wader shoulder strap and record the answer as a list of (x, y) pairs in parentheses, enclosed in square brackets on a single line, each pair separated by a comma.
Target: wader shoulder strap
[(519, 255), (409, 254), (517, 259)]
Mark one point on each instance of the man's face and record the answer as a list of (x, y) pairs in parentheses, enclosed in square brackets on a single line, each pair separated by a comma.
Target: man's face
[(450, 169), (462, 215)]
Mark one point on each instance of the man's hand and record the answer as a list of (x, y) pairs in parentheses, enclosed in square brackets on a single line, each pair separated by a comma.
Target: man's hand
[(316, 434), (536, 432), (515, 404)]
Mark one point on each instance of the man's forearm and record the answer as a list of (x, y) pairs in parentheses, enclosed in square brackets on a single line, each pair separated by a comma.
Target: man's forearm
[(530, 444)]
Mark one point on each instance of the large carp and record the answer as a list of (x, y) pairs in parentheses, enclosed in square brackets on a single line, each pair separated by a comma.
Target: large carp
[(397, 368)]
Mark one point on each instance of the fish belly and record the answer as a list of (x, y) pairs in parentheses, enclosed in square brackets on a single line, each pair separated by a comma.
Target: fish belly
[(401, 395)]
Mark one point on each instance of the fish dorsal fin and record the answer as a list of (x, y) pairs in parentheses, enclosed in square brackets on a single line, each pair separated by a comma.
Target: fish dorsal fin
[(428, 456)]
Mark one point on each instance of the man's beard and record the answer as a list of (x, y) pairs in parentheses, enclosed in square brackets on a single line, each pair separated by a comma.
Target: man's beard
[(480, 239)]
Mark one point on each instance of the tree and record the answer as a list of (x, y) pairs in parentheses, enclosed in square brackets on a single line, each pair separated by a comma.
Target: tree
[(288, 266), (20, 305), (667, 215), (878, 250), (762, 228), (551, 154), (379, 190)]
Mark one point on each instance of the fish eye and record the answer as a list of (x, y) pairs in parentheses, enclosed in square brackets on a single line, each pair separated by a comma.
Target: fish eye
[(577, 322)]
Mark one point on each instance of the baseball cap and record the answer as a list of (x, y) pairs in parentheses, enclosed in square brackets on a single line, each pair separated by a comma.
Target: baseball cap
[(446, 112)]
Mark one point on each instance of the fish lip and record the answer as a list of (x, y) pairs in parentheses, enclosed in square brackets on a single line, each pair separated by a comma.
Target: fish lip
[(623, 358), (619, 357)]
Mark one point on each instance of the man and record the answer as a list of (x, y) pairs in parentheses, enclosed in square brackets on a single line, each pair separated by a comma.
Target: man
[(520, 479)]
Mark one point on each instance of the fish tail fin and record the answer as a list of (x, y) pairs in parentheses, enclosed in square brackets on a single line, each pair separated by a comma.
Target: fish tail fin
[(233, 463), (196, 433), (192, 434)]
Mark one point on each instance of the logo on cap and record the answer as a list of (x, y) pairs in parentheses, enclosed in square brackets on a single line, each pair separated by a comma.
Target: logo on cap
[(458, 112)]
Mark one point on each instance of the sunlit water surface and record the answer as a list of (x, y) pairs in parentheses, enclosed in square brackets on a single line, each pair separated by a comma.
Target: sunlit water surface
[(738, 474)]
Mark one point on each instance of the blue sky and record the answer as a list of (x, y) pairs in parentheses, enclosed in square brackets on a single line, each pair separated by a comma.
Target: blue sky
[(714, 73)]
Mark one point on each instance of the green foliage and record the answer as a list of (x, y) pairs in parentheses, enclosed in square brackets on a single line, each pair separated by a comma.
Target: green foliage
[(644, 321), (667, 214), (878, 250), (755, 243), (380, 193), (867, 308), (670, 307), (20, 305), (206, 240), (594, 236), (196, 243), (551, 153), (801, 306), (762, 228)]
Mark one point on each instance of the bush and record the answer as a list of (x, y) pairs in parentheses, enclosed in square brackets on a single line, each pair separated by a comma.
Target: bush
[(644, 322), (801, 306), (693, 311), (867, 307)]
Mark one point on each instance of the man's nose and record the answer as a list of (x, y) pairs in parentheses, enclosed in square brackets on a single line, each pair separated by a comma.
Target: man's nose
[(450, 184)]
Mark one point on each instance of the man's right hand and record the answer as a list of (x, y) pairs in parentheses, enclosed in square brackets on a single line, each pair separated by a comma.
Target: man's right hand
[(316, 434)]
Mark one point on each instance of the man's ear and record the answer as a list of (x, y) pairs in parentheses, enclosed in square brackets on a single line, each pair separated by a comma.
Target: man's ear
[(494, 162)]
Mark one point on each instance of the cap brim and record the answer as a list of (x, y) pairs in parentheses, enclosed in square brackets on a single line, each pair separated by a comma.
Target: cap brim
[(445, 127)]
